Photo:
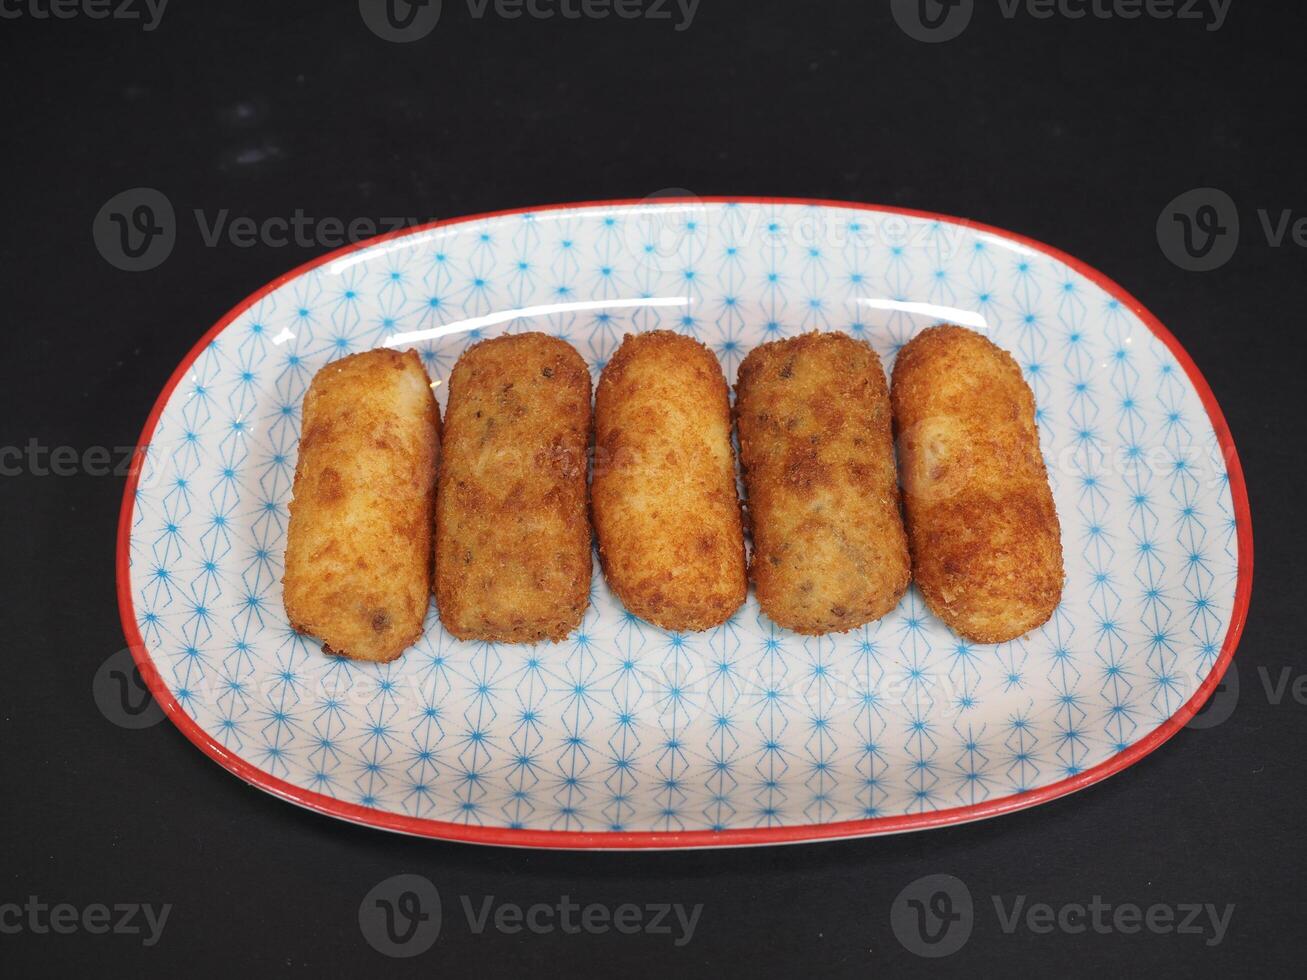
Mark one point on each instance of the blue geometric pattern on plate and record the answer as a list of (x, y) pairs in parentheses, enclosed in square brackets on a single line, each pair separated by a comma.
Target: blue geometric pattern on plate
[(624, 726)]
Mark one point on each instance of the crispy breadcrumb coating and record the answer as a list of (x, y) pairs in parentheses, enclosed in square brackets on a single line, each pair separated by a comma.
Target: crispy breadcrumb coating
[(358, 549), (982, 527), (666, 511), (513, 555), (829, 550)]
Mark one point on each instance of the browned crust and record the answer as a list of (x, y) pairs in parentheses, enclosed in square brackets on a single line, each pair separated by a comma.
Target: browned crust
[(829, 549), (513, 556), (982, 526), (666, 511), (358, 548)]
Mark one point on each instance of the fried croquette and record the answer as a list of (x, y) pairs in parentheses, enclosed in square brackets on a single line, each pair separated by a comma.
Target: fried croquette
[(358, 551), (665, 507), (982, 527), (513, 557), (829, 550)]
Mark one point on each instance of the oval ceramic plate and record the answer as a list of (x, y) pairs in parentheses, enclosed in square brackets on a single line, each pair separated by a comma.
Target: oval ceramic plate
[(625, 735)]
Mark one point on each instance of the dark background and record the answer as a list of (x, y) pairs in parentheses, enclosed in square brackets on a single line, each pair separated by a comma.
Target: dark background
[(1076, 132)]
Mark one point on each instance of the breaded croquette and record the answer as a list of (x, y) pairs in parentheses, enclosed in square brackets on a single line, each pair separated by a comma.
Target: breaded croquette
[(358, 552), (513, 557), (666, 511), (829, 550), (982, 527)]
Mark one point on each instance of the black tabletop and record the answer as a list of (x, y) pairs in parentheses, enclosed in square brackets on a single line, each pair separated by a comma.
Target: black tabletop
[(1077, 122)]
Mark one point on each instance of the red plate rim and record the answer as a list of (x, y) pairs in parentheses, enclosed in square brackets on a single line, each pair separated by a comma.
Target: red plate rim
[(605, 840)]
